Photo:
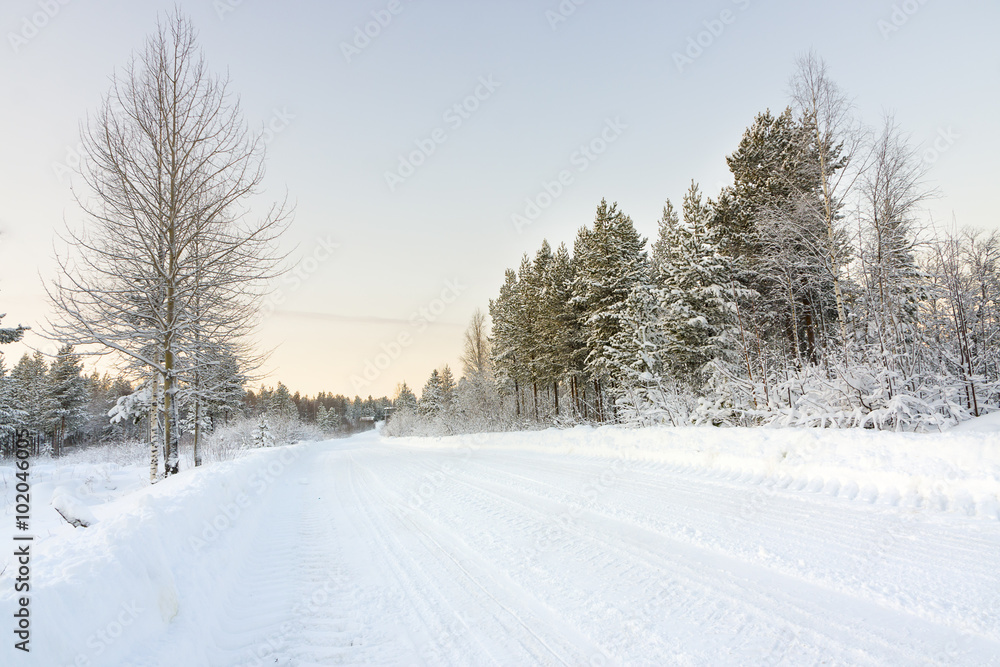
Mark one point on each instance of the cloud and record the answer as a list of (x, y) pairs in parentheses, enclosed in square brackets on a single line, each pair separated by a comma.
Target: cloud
[(360, 319)]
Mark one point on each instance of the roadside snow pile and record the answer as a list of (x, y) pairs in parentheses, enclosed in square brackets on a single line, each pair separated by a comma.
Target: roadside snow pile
[(126, 569), (987, 424), (71, 509), (956, 471), (76, 487)]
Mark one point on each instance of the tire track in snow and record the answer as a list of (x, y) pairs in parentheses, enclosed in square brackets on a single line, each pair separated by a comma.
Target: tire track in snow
[(331, 566), (502, 494), (506, 622), (244, 604), (877, 541), (696, 596)]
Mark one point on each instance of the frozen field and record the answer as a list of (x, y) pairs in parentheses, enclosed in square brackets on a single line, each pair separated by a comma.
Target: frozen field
[(579, 547)]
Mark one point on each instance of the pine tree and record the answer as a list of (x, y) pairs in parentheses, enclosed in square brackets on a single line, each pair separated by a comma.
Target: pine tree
[(431, 398), (31, 393), (693, 295), (447, 388), (664, 248), (262, 436), (68, 388), (11, 335), (10, 415), (536, 348), (770, 225), (639, 356), (280, 404), (509, 360), (405, 398), (611, 261), (559, 329)]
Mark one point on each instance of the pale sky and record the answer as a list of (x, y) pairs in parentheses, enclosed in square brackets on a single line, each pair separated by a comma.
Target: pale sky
[(371, 255)]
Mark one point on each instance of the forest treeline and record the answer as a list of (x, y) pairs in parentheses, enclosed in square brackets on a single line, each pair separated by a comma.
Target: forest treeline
[(70, 408), (814, 291)]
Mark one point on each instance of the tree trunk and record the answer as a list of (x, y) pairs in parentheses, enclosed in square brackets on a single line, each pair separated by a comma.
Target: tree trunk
[(197, 431), (154, 420)]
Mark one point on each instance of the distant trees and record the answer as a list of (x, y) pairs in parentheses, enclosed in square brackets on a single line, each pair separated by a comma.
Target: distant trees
[(405, 398), (9, 413), (70, 409), (169, 269), (58, 401), (69, 395)]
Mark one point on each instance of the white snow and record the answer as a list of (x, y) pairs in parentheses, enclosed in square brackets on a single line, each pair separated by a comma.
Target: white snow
[(987, 424), (695, 546), (71, 509)]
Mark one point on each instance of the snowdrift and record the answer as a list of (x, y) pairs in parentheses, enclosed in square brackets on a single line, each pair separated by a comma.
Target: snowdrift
[(122, 575), (955, 471)]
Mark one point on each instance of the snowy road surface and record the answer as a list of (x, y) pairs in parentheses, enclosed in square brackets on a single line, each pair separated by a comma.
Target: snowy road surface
[(468, 552)]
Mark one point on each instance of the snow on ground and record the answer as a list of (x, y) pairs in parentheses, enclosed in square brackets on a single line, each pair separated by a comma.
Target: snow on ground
[(581, 547), (988, 424)]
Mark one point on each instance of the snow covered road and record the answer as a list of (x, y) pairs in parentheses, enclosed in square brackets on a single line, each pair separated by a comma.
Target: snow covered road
[(477, 550)]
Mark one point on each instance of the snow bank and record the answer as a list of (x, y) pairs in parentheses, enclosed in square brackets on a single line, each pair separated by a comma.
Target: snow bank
[(122, 575), (72, 510), (956, 471), (987, 424)]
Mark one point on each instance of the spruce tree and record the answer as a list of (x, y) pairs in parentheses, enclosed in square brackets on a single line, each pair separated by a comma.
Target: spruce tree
[(68, 389), (447, 388), (31, 393), (431, 397), (405, 398)]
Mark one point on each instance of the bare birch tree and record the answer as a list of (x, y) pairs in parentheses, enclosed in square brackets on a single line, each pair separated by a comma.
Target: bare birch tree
[(169, 267), (476, 348), (891, 191), (838, 152)]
